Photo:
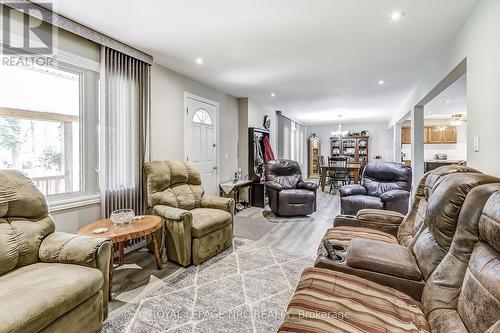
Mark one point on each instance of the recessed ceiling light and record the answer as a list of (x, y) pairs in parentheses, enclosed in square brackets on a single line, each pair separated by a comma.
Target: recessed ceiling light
[(273, 94), (447, 101), (381, 82), (397, 16), (199, 61)]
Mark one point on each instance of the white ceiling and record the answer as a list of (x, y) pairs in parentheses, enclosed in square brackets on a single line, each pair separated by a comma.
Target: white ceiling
[(320, 57), (451, 101)]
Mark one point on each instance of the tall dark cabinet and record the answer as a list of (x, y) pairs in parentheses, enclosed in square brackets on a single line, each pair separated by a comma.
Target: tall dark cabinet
[(256, 166), (355, 148)]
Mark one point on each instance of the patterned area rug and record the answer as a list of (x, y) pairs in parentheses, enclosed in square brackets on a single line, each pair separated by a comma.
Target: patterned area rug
[(244, 289)]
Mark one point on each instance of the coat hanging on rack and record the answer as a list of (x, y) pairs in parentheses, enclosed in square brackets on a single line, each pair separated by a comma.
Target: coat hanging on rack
[(268, 150)]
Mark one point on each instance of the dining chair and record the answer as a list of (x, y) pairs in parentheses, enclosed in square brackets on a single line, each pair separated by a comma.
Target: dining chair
[(320, 160), (337, 172)]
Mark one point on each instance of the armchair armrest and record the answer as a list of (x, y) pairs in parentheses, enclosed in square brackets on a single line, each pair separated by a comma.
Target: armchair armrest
[(171, 213), (307, 186), (221, 203), (354, 189), (95, 252), (395, 195), (64, 248), (274, 186), (380, 216), (176, 232)]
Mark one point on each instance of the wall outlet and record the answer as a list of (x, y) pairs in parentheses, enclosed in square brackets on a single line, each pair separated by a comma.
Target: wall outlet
[(476, 143)]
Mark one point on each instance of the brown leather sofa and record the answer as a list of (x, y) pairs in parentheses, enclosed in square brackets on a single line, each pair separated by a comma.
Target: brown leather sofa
[(197, 226), (406, 267), (460, 295), (49, 281), (288, 194), (384, 185)]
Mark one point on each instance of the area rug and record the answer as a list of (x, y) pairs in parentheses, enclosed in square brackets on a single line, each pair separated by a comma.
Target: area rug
[(244, 289)]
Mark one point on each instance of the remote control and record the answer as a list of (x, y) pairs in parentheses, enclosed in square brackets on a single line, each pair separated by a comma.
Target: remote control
[(330, 250)]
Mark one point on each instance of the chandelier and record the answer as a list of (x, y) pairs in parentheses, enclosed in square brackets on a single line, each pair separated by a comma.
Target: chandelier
[(340, 133)]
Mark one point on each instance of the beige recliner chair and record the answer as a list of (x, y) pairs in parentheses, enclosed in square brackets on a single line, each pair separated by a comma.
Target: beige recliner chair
[(49, 281), (197, 226)]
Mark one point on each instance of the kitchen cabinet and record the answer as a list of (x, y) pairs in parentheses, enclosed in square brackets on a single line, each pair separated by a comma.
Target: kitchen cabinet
[(449, 135), (432, 135), (406, 135)]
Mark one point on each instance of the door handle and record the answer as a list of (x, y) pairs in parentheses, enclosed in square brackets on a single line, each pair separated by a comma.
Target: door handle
[(215, 167)]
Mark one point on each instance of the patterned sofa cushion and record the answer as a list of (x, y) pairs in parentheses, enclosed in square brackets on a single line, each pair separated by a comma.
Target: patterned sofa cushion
[(329, 301), (344, 234)]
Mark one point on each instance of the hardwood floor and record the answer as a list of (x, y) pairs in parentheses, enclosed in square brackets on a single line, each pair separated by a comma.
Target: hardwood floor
[(300, 235), (297, 235)]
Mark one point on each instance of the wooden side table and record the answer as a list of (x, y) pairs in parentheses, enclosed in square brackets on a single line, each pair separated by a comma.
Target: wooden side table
[(233, 189), (120, 234)]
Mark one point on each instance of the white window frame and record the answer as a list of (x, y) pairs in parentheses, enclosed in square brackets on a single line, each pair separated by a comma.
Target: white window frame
[(89, 142), (89, 72)]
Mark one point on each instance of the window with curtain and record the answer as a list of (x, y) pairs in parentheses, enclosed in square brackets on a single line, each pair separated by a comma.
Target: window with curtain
[(291, 139), (48, 127), (125, 131)]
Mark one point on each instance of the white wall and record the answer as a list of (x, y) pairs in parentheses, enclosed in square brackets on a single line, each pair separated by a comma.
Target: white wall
[(71, 220), (379, 143), (478, 41), (167, 118)]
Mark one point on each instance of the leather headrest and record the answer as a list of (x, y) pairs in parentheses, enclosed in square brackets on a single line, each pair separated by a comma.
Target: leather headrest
[(435, 175), (388, 172), (446, 201), (489, 223), (282, 167)]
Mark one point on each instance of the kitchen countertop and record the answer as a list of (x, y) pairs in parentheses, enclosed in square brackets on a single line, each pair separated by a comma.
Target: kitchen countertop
[(445, 161)]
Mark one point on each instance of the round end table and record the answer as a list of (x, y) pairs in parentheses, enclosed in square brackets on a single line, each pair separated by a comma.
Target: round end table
[(120, 234)]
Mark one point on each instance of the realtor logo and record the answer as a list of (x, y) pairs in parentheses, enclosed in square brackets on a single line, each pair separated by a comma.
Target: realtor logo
[(29, 33)]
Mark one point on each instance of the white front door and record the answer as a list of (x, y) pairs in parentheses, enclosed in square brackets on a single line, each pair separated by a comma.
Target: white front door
[(201, 141)]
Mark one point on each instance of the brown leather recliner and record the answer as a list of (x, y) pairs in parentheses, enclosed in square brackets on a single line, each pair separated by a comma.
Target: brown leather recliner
[(288, 194), (460, 295), (389, 226), (406, 267), (384, 185)]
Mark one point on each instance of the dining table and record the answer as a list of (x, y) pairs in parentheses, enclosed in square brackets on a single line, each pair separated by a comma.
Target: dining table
[(354, 168)]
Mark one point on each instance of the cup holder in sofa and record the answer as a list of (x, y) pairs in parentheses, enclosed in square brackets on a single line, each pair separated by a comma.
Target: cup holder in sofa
[(333, 251), (338, 247), (337, 258)]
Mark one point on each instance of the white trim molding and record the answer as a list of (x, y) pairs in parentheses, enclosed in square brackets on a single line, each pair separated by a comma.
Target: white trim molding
[(78, 29), (77, 202)]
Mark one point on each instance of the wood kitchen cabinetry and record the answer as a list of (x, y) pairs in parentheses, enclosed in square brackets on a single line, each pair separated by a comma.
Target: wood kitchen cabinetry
[(406, 135), (432, 135), (449, 135)]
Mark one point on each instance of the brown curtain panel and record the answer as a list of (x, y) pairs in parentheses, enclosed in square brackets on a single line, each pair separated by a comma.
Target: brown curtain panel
[(125, 131)]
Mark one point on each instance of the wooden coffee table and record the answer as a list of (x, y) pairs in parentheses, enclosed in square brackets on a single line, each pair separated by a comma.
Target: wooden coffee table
[(119, 235)]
